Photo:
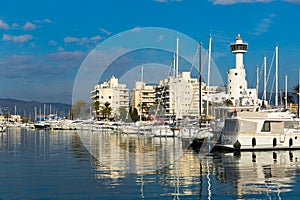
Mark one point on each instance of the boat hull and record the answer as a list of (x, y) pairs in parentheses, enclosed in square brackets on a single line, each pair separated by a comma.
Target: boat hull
[(260, 142)]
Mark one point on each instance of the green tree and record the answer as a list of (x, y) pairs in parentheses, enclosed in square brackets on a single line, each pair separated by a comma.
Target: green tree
[(228, 102), (97, 108), (106, 110), (290, 98), (296, 92), (123, 113), (296, 89), (7, 116), (134, 114), (77, 109)]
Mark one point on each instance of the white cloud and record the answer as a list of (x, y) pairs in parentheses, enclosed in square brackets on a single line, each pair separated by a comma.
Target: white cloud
[(60, 49), (3, 25), (292, 1), (160, 38), (95, 38), (105, 31), (136, 29), (83, 40), (71, 39), (43, 21), (29, 26), (264, 25), (167, 1), (229, 2), (52, 43), (15, 25), (20, 38)]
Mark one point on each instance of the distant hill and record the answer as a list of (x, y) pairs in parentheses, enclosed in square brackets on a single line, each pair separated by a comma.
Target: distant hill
[(28, 108)]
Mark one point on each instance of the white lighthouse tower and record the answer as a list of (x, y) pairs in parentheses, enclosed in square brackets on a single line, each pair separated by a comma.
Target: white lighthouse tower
[(237, 88)]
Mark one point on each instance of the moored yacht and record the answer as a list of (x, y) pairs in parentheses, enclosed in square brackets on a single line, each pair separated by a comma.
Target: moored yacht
[(269, 129)]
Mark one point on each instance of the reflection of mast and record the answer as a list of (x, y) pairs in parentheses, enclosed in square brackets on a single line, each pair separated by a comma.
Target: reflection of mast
[(208, 142)]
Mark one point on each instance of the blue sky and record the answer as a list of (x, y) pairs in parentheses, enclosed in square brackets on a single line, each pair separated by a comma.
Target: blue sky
[(43, 43)]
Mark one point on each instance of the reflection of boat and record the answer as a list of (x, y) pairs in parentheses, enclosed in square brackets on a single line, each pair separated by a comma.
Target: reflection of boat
[(266, 174), (165, 131), (2, 128), (270, 129), (42, 125)]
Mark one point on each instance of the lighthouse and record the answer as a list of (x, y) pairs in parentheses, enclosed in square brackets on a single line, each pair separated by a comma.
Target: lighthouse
[(237, 89)]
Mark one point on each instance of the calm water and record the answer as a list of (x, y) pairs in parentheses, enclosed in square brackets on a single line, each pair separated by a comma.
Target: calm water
[(66, 165)]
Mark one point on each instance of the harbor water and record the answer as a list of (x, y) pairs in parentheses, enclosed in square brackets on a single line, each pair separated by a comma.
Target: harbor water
[(40, 164)]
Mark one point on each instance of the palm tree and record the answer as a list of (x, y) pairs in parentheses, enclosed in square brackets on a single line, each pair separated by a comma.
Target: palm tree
[(296, 90), (106, 110)]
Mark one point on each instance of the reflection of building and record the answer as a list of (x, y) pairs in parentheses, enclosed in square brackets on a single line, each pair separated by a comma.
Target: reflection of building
[(142, 96), (112, 92), (125, 153), (179, 96), (265, 173)]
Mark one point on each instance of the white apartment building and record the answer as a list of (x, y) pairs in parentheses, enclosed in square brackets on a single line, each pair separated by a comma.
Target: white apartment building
[(113, 92), (142, 97), (179, 95)]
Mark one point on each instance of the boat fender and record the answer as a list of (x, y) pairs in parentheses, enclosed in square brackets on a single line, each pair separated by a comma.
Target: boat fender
[(237, 145), (291, 142), (274, 142), (253, 142)]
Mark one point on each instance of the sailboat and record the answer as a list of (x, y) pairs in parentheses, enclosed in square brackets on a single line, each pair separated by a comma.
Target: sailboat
[(203, 133), (164, 130)]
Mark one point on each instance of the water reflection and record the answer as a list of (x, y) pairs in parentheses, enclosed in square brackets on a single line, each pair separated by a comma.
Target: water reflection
[(186, 174), (132, 167), (132, 153), (265, 173)]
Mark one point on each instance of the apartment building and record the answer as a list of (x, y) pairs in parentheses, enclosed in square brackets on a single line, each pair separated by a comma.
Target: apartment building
[(113, 92)]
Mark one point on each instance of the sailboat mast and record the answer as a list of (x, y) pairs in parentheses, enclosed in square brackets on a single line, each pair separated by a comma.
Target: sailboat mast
[(286, 79), (177, 46), (141, 98), (208, 74), (199, 88), (265, 79), (142, 74), (176, 79), (276, 76), (299, 93), (257, 81)]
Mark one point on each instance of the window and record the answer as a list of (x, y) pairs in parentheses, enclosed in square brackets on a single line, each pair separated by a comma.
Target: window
[(266, 127), (109, 97), (235, 74), (241, 86)]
